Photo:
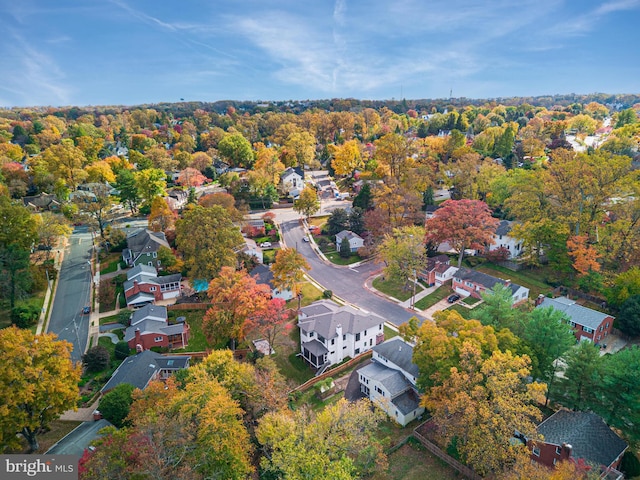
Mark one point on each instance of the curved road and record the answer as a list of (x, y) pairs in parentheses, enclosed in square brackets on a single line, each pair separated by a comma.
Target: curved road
[(347, 283), (73, 293)]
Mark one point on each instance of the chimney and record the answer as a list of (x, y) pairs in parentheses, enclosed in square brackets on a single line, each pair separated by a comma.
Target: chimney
[(539, 300), (507, 282), (138, 338)]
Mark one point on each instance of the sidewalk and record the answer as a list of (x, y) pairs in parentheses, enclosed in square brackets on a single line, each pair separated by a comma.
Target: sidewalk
[(43, 320)]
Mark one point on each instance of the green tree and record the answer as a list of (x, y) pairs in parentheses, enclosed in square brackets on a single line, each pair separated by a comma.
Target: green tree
[(236, 150), (307, 204), (15, 279), (364, 198), (625, 285), (338, 221), (582, 374), (356, 220), (115, 404), (151, 183), (403, 253), (626, 117), (629, 317), (497, 309), (97, 206), (37, 383), (96, 359), (128, 190), (207, 239), (344, 248)]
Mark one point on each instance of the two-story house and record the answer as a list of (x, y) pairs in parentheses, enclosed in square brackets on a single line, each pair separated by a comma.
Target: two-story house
[(582, 437), (503, 239), (588, 324), (437, 271), (468, 282), (292, 181), (144, 286), (329, 333), (143, 246), (390, 380), (149, 327)]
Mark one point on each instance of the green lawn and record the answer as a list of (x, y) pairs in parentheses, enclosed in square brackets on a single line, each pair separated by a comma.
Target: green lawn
[(334, 257), (413, 462), (530, 279), (269, 256), (434, 297), (318, 221), (470, 300), (110, 263), (395, 288), (309, 295), (463, 311), (292, 366), (389, 333)]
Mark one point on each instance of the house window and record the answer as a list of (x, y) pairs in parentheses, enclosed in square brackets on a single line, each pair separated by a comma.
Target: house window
[(344, 337), (357, 351), (606, 333), (599, 337), (333, 341), (155, 254), (536, 451), (558, 450), (157, 339), (152, 289), (587, 329), (151, 264), (365, 333), (607, 325), (573, 324), (371, 342), (357, 337), (321, 338), (380, 327), (310, 334)]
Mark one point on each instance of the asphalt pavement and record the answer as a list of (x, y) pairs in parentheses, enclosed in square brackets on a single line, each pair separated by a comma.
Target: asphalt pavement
[(73, 293)]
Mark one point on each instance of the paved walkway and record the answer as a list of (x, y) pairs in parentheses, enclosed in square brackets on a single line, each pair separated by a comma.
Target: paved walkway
[(114, 338), (81, 414)]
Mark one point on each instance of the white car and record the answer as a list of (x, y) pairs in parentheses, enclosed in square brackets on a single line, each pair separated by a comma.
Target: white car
[(305, 239), (265, 244)]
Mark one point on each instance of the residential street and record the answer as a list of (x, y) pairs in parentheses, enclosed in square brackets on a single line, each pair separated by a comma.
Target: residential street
[(73, 293)]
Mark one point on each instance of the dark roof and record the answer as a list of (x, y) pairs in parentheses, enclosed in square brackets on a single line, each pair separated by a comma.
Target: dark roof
[(588, 435), (487, 281), (42, 200), (393, 380), (264, 275), (139, 369), (398, 352), (164, 279), (319, 307), (148, 311), (433, 262), (407, 402), (145, 241), (431, 208), (291, 170), (504, 227), (76, 441), (315, 347), (576, 313)]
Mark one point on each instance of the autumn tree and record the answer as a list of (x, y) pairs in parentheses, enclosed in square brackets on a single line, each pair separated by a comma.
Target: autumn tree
[(51, 227), (585, 257), (403, 253), (38, 382), (190, 177), (307, 204), (151, 183), (525, 468), (337, 443), (100, 172), (161, 218), (346, 157), (236, 150), (299, 149), (235, 299), (392, 153), (463, 224), (289, 269), (270, 322), (96, 205), (65, 161), (486, 399), (207, 239)]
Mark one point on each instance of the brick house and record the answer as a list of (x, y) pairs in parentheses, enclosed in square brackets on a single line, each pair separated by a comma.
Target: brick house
[(437, 271), (329, 333), (472, 283), (149, 327), (587, 324), (581, 437), (390, 380), (144, 286), (143, 246)]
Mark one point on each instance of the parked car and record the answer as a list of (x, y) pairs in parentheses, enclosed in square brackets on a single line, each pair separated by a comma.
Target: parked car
[(305, 239), (265, 244), (86, 310), (453, 298)]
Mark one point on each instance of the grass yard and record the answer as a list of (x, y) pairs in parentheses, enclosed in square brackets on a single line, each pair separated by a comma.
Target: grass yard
[(110, 263), (413, 462), (292, 366), (530, 279), (318, 221), (269, 256), (434, 297), (389, 333), (470, 300), (197, 341), (309, 295), (334, 257), (463, 311), (395, 288)]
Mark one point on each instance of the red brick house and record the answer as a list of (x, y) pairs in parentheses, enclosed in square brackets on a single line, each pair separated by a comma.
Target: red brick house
[(149, 327), (437, 271), (468, 282), (581, 437), (144, 286), (587, 324)]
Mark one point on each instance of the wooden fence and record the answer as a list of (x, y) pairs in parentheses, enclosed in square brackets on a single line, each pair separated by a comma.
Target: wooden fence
[(330, 373), (188, 306), (433, 448)]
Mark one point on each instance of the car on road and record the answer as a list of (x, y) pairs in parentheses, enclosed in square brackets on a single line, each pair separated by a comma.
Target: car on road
[(86, 310), (305, 239), (265, 244), (453, 298)]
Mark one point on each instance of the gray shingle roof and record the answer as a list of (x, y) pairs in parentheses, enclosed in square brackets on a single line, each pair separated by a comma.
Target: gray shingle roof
[(351, 320), (140, 297), (577, 313), (75, 442), (151, 326), (393, 380), (588, 435), (407, 402), (264, 274), (504, 227), (164, 279), (146, 241), (315, 347), (400, 353), (137, 370), (348, 234), (142, 269), (320, 307), (148, 311)]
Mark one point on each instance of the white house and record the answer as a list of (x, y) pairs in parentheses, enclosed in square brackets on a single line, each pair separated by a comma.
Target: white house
[(355, 240), (292, 179), (329, 333), (251, 248), (502, 239), (390, 380)]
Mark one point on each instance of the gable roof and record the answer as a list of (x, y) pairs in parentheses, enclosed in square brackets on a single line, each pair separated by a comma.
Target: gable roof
[(146, 241), (148, 311), (151, 326), (487, 281), (139, 369), (142, 269), (348, 234), (264, 275), (399, 352), (590, 438), (577, 313), (504, 227), (320, 307), (391, 379), (290, 171), (351, 320)]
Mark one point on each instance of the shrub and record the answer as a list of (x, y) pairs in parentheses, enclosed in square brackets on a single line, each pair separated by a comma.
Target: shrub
[(122, 350), (327, 294), (96, 359), (630, 465), (24, 316), (345, 248), (115, 405)]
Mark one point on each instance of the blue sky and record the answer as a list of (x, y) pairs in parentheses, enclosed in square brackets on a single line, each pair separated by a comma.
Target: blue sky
[(125, 52)]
